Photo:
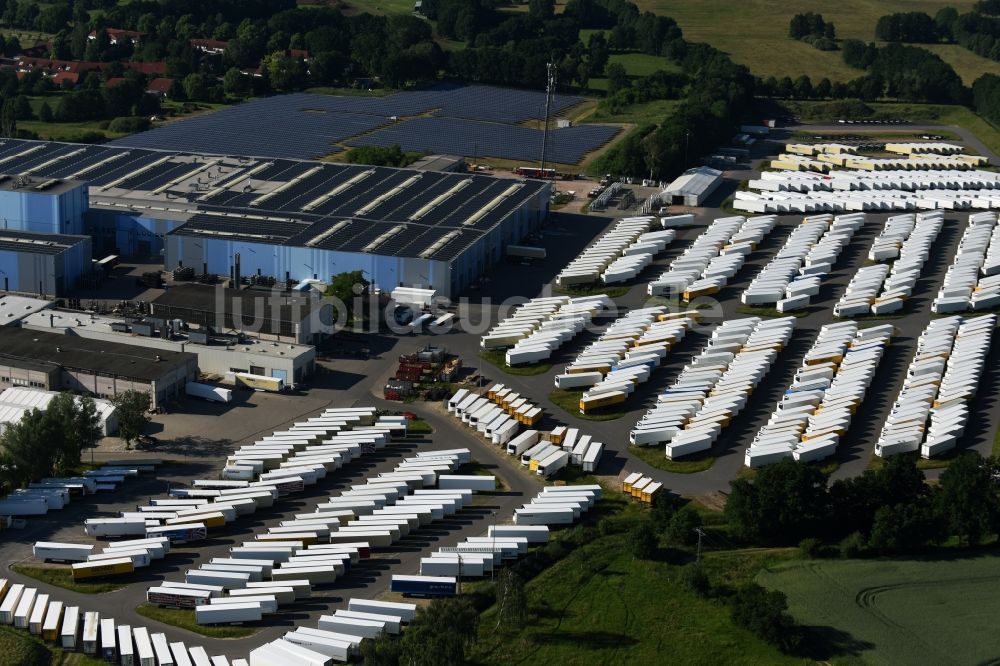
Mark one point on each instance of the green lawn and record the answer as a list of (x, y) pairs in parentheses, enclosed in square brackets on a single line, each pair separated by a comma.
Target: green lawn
[(635, 64), (499, 359), (184, 618), (600, 606), (63, 577), (569, 401), (898, 611), (419, 427), (755, 32), (656, 456), (380, 6), (637, 114)]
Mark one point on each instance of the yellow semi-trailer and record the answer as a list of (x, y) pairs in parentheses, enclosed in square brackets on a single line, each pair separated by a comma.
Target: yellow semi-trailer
[(589, 404), (103, 568)]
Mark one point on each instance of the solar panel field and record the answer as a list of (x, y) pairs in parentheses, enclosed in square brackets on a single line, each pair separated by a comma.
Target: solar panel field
[(472, 121)]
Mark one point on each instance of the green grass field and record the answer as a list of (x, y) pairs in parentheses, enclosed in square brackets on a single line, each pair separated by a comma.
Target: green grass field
[(600, 606), (898, 611), (755, 32)]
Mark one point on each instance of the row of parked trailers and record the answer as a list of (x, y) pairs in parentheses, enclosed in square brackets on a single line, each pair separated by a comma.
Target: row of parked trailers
[(190, 513), (53, 494), (499, 414), (617, 254), (829, 386), (642, 488), (940, 381), (972, 281), (711, 390), (543, 455), (72, 629), (875, 200), (878, 289), (542, 325), (850, 180), (315, 549), (476, 557), (625, 355), (713, 258), (795, 273), (337, 638)]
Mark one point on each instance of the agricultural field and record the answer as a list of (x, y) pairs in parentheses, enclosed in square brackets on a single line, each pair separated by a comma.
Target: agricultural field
[(755, 33), (898, 611)]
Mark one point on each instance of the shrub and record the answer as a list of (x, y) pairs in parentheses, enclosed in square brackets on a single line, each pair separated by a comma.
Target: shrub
[(853, 546), (762, 612)]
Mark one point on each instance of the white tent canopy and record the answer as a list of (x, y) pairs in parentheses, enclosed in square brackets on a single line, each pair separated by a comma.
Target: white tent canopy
[(15, 401)]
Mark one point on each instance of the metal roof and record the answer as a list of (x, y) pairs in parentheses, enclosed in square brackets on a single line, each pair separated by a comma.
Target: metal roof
[(282, 201), (694, 181), (107, 359)]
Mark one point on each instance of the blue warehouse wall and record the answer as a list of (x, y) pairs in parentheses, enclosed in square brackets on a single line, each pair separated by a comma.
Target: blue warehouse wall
[(298, 263), (10, 275), (26, 210), (128, 234), (75, 263)]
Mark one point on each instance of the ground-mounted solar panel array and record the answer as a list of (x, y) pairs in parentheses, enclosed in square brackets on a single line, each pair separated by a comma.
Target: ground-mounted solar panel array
[(454, 136), (472, 121)]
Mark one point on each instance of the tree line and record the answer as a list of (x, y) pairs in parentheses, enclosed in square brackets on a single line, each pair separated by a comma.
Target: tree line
[(977, 31), (889, 510)]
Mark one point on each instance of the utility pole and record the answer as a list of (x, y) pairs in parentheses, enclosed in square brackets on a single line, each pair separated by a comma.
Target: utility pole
[(550, 89), (492, 569), (700, 532), (687, 140)]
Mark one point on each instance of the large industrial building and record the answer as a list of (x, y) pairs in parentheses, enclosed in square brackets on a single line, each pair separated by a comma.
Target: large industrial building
[(54, 362), (291, 220), (46, 264)]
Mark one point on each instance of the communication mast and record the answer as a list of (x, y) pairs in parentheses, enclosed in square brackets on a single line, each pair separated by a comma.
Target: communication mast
[(550, 89)]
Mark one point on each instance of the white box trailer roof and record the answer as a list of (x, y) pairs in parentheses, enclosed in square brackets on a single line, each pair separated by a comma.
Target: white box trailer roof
[(70, 628)]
